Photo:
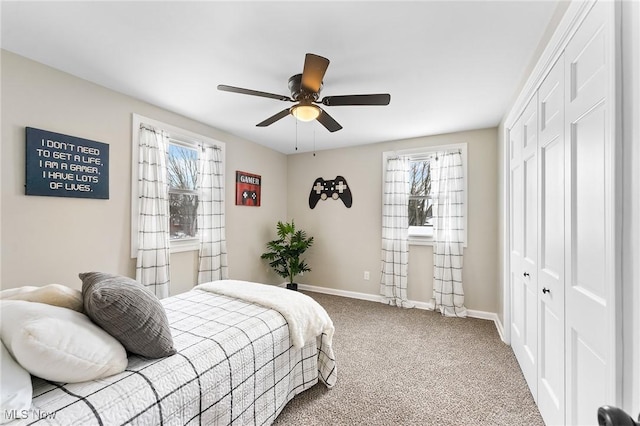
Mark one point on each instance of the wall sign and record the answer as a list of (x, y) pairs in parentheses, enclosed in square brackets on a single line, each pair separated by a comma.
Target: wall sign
[(66, 166), (247, 189), (335, 189)]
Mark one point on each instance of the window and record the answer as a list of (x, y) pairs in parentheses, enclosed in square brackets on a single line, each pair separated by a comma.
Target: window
[(420, 203), (182, 173), (182, 161)]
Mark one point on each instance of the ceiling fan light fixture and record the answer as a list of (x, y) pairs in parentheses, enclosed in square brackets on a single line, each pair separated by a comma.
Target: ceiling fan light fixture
[(305, 91), (305, 112)]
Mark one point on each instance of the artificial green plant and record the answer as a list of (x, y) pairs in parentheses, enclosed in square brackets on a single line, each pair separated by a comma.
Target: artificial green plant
[(284, 253)]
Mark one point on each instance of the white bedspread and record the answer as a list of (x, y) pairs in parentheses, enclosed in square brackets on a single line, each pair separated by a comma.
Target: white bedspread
[(235, 366), (307, 319)]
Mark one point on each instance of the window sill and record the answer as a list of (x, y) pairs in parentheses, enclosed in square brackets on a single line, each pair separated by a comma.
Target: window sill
[(187, 244), (426, 241), (420, 241)]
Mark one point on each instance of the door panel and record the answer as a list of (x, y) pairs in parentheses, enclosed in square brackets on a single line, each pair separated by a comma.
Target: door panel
[(524, 253), (590, 276), (551, 154), (530, 213), (516, 237), (551, 365), (529, 263), (590, 198), (590, 369)]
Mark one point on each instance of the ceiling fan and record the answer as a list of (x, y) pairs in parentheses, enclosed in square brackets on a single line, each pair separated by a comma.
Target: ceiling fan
[(305, 91)]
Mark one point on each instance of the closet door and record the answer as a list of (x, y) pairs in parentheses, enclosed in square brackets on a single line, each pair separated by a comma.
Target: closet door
[(524, 270), (516, 243), (551, 261), (591, 242)]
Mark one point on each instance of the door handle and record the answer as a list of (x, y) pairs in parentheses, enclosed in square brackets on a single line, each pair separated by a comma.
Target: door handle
[(526, 274), (608, 415), (545, 290)]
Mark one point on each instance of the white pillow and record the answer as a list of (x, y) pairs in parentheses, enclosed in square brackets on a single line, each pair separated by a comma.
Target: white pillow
[(16, 391), (59, 344), (51, 294)]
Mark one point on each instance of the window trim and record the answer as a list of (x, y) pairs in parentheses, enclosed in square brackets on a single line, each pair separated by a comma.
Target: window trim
[(423, 153), (178, 136)]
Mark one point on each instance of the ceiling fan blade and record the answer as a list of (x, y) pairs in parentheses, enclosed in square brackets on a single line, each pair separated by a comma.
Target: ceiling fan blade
[(377, 99), (313, 72), (273, 118), (233, 89), (327, 121)]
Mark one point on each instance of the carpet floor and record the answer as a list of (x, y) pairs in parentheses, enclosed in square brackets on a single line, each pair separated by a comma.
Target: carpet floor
[(414, 367)]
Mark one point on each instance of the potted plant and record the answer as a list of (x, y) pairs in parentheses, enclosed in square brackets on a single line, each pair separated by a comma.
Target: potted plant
[(284, 253)]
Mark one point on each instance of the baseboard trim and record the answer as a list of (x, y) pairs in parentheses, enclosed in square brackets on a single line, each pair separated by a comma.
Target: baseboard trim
[(490, 316), (343, 293), (500, 329)]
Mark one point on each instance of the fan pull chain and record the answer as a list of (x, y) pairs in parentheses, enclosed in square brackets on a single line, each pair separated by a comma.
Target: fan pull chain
[(314, 140), (296, 134)]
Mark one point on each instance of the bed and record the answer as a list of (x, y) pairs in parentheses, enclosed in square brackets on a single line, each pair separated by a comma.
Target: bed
[(237, 363)]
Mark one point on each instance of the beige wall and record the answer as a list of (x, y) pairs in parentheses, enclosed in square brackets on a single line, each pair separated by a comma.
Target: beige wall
[(347, 241), (52, 239)]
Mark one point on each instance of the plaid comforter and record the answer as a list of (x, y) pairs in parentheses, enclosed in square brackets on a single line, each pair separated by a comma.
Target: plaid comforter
[(235, 365)]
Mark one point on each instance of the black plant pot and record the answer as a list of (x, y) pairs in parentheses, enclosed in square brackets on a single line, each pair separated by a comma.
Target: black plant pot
[(293, 286)]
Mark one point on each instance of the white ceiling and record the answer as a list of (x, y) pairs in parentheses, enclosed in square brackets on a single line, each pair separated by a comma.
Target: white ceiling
[(448, 65)]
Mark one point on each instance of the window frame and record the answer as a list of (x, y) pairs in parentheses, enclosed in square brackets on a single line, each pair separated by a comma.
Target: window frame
[(417, 154), (177, 136)]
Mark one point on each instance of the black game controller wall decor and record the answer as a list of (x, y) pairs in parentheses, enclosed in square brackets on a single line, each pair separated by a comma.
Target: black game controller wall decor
[(247, 189), (335, 189)]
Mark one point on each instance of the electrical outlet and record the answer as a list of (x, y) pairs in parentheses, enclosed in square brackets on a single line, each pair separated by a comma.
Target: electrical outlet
[(366, 275)]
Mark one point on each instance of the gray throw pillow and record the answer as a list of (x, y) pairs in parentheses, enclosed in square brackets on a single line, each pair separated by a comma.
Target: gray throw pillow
[(129, 312)]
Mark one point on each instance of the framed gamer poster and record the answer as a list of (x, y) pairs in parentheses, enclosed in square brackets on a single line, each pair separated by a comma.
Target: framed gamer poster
[(247, 189), (65, 166)]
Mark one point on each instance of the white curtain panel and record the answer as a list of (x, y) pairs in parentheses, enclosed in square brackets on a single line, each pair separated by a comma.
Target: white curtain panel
[(395, 224), (447, 189), (152, 267), (211, 221)]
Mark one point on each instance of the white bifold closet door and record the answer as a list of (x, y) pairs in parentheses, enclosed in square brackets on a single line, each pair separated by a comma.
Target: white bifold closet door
[(524, 251), (563, 242), (537, 255), (591, 240), (552, 205)]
